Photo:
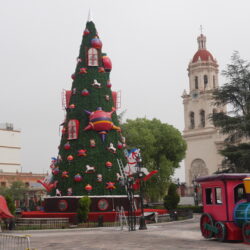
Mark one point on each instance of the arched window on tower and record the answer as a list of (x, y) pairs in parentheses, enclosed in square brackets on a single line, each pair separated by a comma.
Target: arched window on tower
[(214, 82), (191, 117), (196, 83), (202, 118), (92, 57), (205, 81)]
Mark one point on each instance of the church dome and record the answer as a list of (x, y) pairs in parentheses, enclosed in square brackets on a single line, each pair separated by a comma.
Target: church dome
[(203, 55)]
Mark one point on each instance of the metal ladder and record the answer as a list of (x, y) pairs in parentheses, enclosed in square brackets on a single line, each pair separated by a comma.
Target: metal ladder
[(130, 195)]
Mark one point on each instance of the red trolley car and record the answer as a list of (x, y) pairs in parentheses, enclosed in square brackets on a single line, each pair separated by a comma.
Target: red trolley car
[(226, 202)]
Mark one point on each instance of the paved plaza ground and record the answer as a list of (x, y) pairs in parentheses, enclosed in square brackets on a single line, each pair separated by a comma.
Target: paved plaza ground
[(171, 235)]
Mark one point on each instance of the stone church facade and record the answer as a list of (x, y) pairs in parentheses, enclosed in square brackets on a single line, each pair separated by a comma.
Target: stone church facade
[(203, 139)]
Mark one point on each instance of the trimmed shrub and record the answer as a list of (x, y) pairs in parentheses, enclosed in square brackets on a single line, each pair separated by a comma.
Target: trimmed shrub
[(172, 199), (83, 209)]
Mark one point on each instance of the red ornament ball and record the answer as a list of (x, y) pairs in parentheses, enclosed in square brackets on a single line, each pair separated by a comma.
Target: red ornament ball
[(109, 85), (109, 164), (64, 130), (119, 145), (85, 92), (66, 146), (78, 178), (70, 158), (73, 76), (88, 187), (107, 63), (82, 152), (65, 174), (86, 32), (96, 43), (83, 70), (101, 70)]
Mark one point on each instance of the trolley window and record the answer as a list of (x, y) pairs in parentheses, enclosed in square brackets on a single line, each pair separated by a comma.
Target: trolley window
[(239, 193), (209, 199), (218, 195)]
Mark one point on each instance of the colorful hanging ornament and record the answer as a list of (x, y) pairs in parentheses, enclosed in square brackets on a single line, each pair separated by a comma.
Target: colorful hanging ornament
[(107, 98), (89, 169), (69, 191), (111, 148), (88, 188), (86, 32), (65, 174), (101, 70), (55, 171), (73, 91), (92, 143), (85, 92), (119, 145), (70, 158), (101, 122), (58, 192), (99, 178), (107, 63), (72, 106), (66, 146), (73, 76), (96, 84), (109, 85), (82, 152), (108, 164), (78, 178), (83, 70), (96, 43), (110, 185)]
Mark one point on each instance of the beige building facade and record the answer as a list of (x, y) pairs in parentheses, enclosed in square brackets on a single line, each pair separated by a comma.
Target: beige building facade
[(10, 148), (203, 139)]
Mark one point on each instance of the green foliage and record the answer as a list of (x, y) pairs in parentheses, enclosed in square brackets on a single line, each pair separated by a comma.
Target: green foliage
[(96, 156), (172, 199), (195, 209), (162, 148), (17, 190), (10, 203), (236, 123), (83, 209)]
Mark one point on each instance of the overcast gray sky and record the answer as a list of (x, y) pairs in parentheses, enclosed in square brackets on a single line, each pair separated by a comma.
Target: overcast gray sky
[(150, 43)]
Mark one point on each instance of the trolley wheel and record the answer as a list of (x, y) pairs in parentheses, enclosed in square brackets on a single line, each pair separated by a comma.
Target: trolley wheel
[(221, 234), (246, 232), (205, 222)]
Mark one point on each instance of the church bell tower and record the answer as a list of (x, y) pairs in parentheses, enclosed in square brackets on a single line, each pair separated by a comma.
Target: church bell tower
[(203, 139)]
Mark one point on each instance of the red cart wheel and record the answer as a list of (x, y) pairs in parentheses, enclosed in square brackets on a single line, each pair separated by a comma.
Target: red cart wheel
[(221, 231), (246, 232), (206, 222)]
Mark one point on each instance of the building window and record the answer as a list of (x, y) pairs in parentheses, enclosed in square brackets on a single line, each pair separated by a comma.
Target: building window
[(196, 82), (209, 196), (205, 81), (218, 196), (202, 118), (214, 82), (191, 116), (92, 57)]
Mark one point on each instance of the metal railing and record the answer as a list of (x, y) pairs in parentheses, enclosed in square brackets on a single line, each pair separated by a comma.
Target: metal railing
[(14, 242)]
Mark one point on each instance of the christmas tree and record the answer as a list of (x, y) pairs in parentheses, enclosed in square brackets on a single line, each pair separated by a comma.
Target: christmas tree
[(91, 140)]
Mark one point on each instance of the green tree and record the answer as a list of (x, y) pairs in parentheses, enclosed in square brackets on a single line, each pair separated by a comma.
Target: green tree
[(10, 203), (83, 209), (17, 190), (235, 124), (162, 148), (82, 142), (172, 199)]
